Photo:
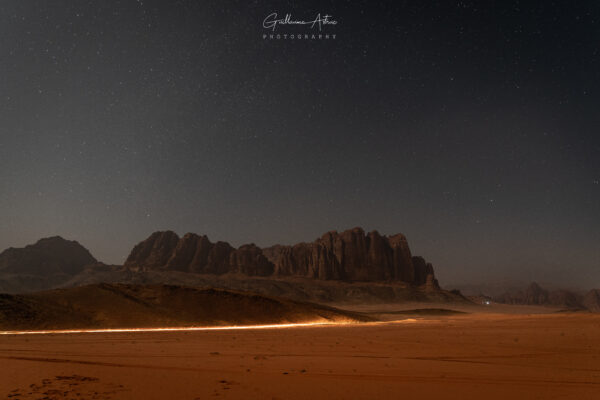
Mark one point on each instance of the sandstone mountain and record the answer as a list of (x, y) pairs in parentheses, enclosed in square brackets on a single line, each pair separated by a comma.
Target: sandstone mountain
[(348, 267), (351, 256), (53, 255)]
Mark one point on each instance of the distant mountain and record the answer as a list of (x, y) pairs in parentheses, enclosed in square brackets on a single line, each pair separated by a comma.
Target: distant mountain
[(135, 306), (53, 255), (591, 300), (534, 294), (350, 256), (350, 267), (488, 289)]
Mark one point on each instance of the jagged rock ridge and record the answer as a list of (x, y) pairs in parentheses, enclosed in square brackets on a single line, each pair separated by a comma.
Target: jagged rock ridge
[(534, 294), (351, 255), (194, 253)]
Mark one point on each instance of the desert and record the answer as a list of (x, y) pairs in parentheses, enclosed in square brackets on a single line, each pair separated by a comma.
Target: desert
[(352, 315), (533, 352)]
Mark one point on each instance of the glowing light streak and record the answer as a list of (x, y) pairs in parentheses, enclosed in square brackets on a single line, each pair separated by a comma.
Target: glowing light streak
[(202, 328)]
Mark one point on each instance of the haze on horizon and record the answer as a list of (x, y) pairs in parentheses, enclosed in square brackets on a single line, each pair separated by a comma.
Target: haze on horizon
[(472, 131)]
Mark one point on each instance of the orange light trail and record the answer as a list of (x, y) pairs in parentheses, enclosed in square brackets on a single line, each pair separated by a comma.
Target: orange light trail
[(201, 328)]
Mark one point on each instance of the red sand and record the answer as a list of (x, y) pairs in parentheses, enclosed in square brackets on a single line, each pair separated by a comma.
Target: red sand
[(476, 356)]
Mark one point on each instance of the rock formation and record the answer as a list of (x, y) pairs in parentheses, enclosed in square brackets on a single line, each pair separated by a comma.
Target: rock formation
[(534, 294), (194, 253), (565, 298), (49, 256), (155, 251), (351, 255), (591, 300)]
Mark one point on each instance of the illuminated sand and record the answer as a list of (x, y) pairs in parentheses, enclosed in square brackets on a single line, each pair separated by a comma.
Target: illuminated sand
[(489, 356)]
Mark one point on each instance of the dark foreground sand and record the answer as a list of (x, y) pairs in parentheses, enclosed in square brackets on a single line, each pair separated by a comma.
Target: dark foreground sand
[(471, 356)]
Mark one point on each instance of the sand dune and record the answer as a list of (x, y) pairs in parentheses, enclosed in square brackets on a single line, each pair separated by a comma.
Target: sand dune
[(127, 306)]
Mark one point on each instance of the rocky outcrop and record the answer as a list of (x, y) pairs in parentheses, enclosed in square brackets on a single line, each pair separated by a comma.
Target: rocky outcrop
[(311, 260), (424, 272), (249, 260), (49, 256), (591, 300), (194, 253), (351, 255), (153, 252), (565, 298), (197, 254), (534, 294)]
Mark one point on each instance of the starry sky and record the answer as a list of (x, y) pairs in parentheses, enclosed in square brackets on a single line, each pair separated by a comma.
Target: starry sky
[(471, 127)]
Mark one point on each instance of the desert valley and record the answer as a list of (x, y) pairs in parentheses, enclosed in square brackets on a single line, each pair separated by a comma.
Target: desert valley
[(350, 315)]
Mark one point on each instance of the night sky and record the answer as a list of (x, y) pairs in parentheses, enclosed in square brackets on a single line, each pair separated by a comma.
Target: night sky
[(471, 127)]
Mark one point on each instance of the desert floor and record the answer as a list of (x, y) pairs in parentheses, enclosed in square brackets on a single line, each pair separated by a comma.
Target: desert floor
[(471, 356)]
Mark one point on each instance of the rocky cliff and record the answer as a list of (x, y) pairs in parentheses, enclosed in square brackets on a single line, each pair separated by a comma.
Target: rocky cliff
[(194, 253), (352, 255)]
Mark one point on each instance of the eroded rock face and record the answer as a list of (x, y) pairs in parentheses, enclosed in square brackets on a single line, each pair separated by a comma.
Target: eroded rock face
[(153, 252), (351, 255), (249, 260), (423, 272), (188, 248), (310, 260), (197, 254)]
